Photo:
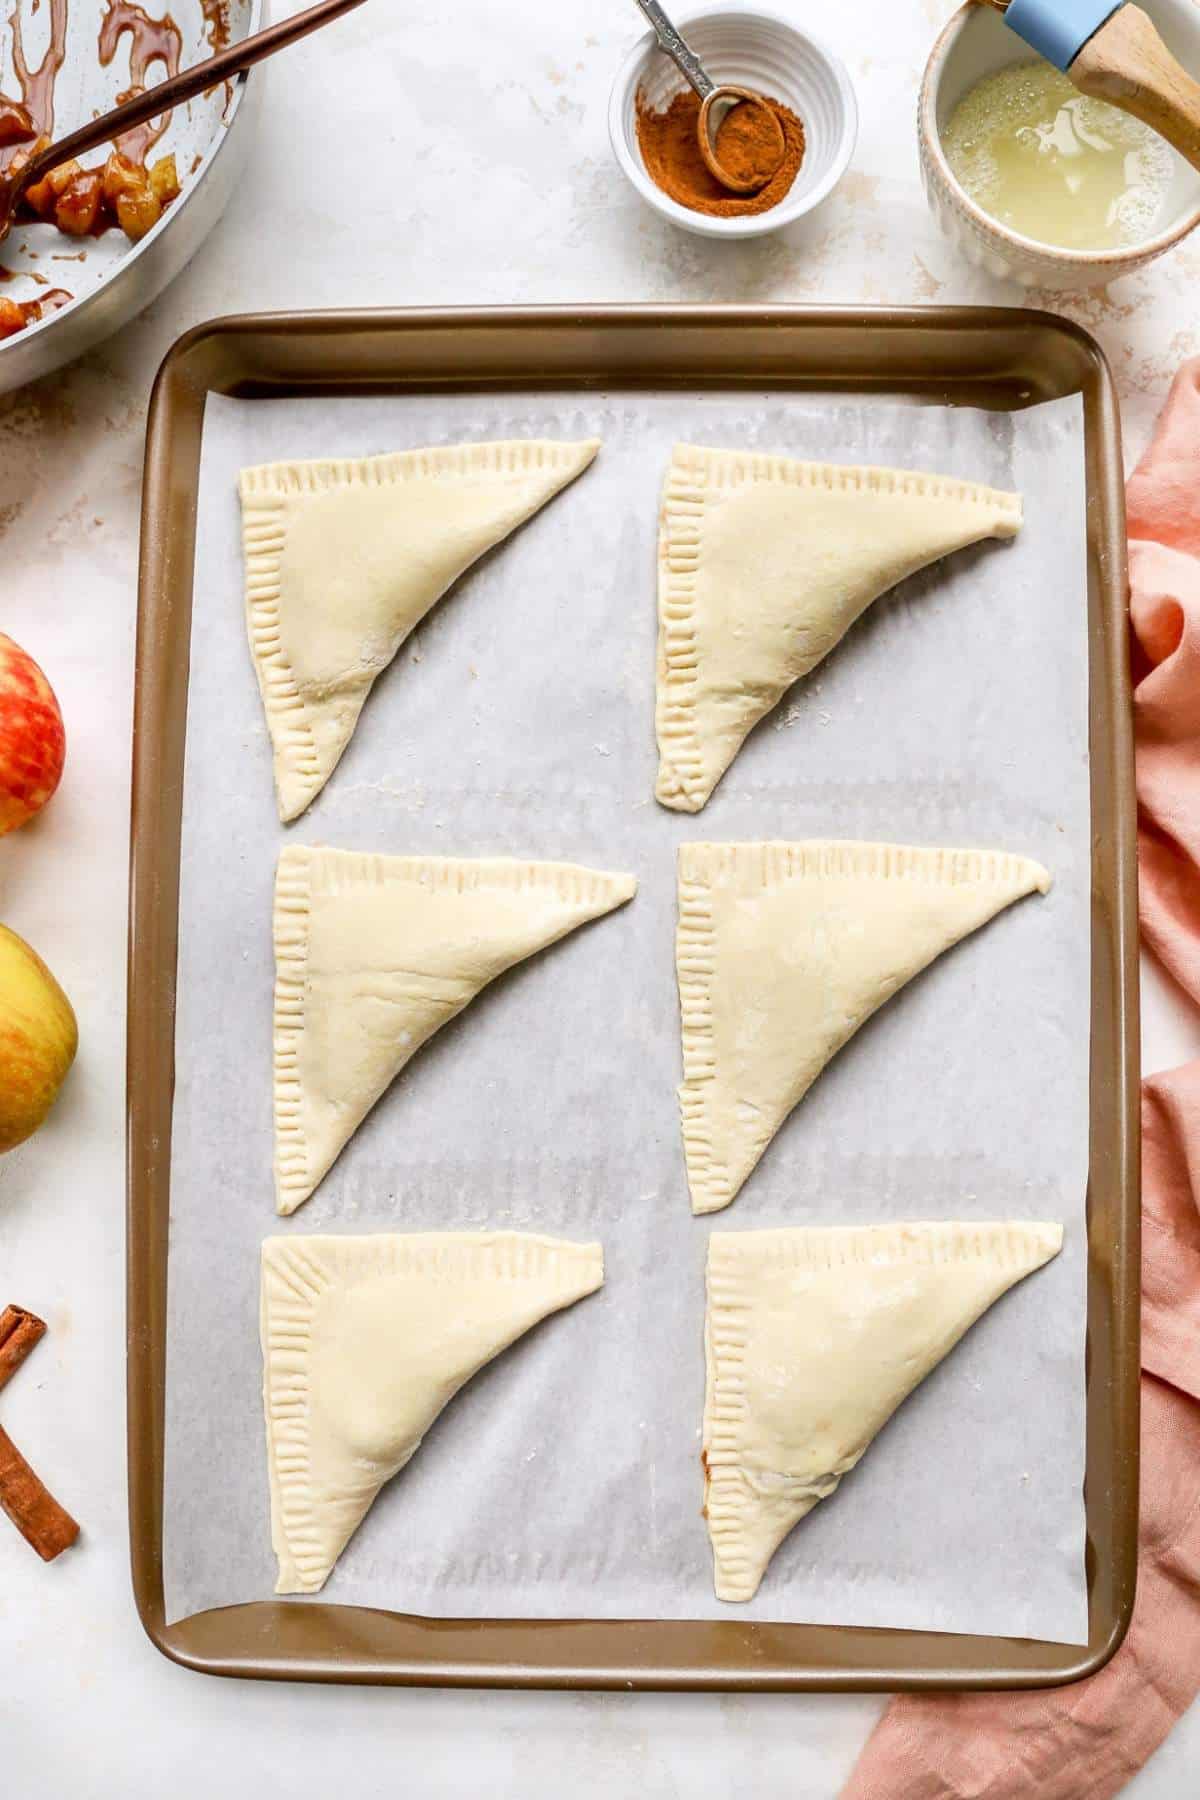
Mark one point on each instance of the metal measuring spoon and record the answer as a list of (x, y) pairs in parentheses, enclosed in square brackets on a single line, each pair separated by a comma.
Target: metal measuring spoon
[(717, 101)]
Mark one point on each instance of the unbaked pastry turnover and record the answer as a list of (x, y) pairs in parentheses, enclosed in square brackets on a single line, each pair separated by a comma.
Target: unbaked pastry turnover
[(812, 1340), (783, 951), (764, 564), (373, 954), (344, 559), (365, 1340)]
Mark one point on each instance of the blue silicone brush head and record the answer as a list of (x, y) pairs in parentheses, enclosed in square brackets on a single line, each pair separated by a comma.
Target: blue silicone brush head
[(1058, 29)]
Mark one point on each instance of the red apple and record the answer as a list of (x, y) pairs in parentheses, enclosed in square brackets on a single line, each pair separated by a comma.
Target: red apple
[(32, 740)]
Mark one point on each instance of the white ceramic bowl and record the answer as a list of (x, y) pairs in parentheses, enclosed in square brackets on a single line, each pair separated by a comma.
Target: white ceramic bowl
[(975, 43), (110, 278), (754, 47)]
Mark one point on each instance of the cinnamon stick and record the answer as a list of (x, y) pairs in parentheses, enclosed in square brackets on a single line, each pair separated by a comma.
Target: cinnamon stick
[(37, 1515), (30, 1505), (19, 1332)]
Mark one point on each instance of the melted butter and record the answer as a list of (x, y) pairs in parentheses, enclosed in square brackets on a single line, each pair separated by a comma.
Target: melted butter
[(1054, 165)]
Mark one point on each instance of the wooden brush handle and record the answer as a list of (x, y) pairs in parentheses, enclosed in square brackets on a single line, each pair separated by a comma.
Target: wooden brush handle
[(1127, 64)]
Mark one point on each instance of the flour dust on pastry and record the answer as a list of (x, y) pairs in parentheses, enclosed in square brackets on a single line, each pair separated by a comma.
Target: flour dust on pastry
[(344, 559), (365, 1340), (813, 1337), (783, 951), (764, 564), (373, 954)]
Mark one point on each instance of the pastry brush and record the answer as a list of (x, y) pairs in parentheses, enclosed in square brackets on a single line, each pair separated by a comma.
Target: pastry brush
[(1113, 52)]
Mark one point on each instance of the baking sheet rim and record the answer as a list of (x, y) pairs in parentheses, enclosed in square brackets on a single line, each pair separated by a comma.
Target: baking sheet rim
[(615, 347)]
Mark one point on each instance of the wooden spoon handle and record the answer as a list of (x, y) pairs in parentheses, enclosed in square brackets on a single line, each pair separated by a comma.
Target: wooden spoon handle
[(1127, 64)]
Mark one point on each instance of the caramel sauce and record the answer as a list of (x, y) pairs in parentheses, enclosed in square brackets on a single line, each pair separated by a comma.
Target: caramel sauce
[(25, 120), (36, 85), (16, 126), (15, 315), (216, 23), (216, 30), (151, 41)]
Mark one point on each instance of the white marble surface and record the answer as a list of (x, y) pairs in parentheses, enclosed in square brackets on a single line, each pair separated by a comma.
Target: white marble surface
[(409, 156)]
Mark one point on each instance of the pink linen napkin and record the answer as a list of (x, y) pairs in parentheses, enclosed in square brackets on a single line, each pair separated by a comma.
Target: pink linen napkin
[(1085, 1742)]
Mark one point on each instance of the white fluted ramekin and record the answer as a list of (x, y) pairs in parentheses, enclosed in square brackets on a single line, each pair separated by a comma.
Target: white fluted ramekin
[(976, 43), (752, 46)]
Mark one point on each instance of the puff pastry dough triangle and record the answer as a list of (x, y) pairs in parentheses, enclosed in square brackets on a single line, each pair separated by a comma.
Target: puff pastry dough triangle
[(344, 559), (783, 951), (365, 1341), (764, 564), (373, 954), (812, 1340)]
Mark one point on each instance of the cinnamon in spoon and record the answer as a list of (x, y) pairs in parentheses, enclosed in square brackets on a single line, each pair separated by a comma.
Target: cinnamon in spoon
[(671, 154)]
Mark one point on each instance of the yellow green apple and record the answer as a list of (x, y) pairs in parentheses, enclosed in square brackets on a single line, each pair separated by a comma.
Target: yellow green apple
[(38, 1039)]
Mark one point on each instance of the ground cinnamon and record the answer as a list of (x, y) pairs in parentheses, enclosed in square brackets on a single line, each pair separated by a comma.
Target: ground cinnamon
[(671, 152), (748, 144), (34, 1511)]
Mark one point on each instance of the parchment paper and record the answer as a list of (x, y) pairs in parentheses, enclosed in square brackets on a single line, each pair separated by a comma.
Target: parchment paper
[(564, 1481)]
